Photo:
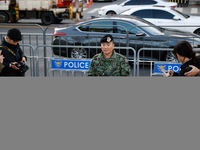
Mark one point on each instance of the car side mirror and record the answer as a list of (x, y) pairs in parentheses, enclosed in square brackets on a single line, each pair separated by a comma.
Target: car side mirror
[(176, 18)]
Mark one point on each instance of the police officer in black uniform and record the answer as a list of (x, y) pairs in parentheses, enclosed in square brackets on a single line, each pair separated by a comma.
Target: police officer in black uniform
[(12, 53)]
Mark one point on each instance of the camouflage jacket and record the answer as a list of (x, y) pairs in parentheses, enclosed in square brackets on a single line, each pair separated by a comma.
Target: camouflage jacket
[(1, 66), (116, 65)]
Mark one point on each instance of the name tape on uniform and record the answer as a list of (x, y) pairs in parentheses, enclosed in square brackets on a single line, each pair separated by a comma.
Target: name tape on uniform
[(175, 67), (71, 64)]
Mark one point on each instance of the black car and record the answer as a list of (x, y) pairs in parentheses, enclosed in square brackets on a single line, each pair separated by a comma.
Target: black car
[(141, 34)]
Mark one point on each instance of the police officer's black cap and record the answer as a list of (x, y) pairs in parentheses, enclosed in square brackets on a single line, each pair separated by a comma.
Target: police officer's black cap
[(107, 38)]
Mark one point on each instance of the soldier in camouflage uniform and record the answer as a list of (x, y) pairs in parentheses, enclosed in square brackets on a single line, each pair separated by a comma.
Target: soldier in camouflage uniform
[(108, 62)]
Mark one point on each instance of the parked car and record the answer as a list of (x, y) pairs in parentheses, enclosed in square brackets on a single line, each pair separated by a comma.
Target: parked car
[(167, 17), (141, 34), (128, 4)]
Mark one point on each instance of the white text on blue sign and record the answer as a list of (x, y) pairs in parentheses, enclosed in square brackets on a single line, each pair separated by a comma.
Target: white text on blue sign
[(175, 67), (71, 64)]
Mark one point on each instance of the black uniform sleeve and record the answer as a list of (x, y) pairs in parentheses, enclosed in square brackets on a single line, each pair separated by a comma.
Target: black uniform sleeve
[(6, 64), (22, 53), (175, 74)]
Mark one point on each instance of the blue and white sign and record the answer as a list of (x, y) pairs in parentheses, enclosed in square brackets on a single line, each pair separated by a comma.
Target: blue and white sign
[(71, 64), (175, 67)]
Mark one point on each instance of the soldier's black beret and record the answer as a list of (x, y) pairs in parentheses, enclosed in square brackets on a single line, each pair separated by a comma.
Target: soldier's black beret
[(107, 38)]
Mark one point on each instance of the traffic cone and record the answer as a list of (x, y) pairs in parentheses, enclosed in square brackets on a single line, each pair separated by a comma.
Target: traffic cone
[(88, 5), (91, 2)]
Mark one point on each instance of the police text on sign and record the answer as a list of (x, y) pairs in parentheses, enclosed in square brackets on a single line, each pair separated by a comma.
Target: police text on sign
[(71, 64), (175, 67)]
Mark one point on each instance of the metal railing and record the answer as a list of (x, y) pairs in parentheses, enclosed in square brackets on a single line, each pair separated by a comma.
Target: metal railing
[(132, 61), (151, 62), (30, 57), (44, 41)]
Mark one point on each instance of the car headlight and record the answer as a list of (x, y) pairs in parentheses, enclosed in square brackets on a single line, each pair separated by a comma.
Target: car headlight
[(101, 10)]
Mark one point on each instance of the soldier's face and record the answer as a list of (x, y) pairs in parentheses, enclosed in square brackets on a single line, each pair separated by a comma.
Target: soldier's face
[(107, 48)]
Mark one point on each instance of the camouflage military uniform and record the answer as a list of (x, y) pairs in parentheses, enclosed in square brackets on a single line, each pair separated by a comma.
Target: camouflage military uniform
[(1, 66), (116, 65)]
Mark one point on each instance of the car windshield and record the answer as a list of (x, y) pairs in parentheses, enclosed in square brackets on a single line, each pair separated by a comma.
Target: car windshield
[(182, 14), (151, 28), (144, 25)]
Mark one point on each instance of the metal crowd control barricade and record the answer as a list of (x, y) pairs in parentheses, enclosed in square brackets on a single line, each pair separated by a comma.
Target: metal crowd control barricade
[(31, 57), (64, 58), (174, 66), (150, 61), (72, 70), (153, 62), (30, 40)]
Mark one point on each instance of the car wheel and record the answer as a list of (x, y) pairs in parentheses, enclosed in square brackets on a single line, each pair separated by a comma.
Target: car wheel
[(110, 13), (78, 53), (3, 17), (197, 31), (48, 18), (169, 56)]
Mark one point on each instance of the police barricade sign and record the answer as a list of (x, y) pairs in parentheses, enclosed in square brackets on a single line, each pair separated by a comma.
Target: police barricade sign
[(81, 65), (175, 67)]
